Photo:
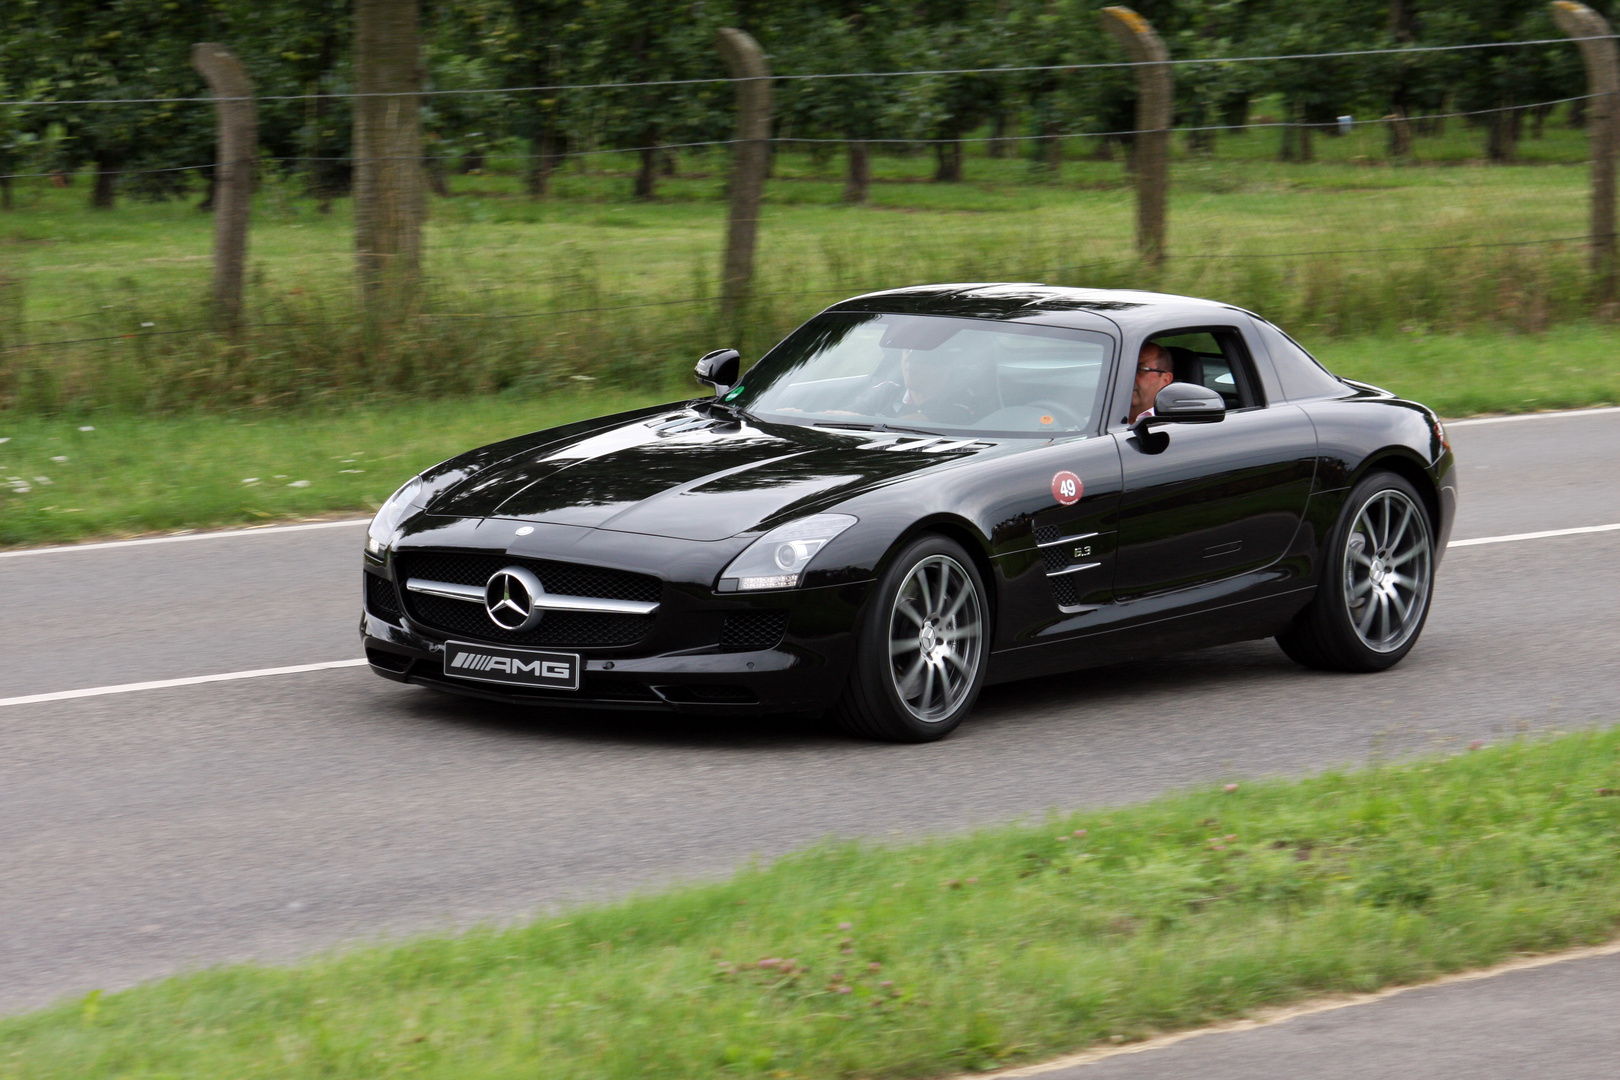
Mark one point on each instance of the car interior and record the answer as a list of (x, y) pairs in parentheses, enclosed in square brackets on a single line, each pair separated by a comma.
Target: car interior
[(1214, 359)]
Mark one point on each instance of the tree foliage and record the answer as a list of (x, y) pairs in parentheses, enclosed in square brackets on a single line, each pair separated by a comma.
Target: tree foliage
[(298, 53)]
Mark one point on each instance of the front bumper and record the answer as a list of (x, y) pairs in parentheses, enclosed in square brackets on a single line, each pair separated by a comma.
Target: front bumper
[(804, 672)]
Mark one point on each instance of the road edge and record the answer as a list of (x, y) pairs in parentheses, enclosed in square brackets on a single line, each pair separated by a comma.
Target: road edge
[(1270, 1017)]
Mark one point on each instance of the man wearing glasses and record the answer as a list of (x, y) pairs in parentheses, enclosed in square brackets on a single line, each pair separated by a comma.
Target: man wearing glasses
[(1152, 375)]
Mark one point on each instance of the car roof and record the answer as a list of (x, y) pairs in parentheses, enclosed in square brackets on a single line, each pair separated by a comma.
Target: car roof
[(1032, 301)]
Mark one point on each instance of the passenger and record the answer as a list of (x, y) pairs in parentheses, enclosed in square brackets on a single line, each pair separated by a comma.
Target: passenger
[(1153, 374)]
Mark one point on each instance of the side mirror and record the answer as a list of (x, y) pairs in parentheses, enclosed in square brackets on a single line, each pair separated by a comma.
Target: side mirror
[(1186, 403), (720, 369)]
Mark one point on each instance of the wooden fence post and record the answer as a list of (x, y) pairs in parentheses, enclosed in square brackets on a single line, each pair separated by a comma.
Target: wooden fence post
[(1602, 130), (389, 202), (235, 155), (746, 61), (1155, 91)]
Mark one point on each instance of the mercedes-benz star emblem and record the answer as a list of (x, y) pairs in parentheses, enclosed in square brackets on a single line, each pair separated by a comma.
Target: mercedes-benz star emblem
[(509, 598)]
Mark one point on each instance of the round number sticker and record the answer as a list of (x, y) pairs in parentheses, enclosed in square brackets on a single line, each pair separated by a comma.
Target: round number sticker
[(1066, 488)]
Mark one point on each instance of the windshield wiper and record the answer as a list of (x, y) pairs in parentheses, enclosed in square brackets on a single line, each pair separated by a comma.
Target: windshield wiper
[(852, 426)]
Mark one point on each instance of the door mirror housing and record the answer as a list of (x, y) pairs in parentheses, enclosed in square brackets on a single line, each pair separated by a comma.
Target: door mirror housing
[(1185, 403), (720, 369)]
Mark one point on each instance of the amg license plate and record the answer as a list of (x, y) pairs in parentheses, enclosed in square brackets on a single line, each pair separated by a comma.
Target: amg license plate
[(514, 667)]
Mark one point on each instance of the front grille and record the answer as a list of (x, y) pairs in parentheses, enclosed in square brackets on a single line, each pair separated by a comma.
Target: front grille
[(746, 631), (557, 628), (381, 600), (564, 579)]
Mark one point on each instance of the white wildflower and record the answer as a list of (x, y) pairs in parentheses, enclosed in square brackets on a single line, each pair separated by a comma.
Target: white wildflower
[(299, 483)]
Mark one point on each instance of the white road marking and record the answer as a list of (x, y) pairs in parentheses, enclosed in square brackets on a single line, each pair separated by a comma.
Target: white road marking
[(160, 684), (223, 534), (232, 676), (1516, 417), (1532, 535)]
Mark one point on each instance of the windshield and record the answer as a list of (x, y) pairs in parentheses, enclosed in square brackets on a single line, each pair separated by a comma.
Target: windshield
[(931, 373)]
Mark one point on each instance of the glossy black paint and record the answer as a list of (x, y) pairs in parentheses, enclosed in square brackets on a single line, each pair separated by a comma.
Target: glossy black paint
[(1186, 534)]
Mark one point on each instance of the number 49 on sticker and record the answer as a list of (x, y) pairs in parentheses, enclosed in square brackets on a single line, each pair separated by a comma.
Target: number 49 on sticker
[(1066, 488)]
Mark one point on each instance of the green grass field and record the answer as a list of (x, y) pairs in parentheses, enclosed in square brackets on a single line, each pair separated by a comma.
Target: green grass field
[(104, 309), (135, 474), (959, 953)]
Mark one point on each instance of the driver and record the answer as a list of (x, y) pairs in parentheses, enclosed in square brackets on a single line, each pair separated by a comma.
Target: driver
[(1153, 374), (931, 390)]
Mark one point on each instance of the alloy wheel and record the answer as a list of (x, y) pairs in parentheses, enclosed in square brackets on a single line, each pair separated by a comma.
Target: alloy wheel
[(1388, 568), (936, 638)]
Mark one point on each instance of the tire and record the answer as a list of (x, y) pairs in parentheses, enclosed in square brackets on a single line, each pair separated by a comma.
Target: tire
[(1377, 582), (921, 648)]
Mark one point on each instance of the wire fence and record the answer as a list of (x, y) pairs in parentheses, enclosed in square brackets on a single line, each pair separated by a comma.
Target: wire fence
[(1339, 249), (1340, 125), (1404, 50)]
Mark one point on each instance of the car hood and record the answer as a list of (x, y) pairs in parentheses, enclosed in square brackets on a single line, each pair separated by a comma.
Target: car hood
[(687, 475)]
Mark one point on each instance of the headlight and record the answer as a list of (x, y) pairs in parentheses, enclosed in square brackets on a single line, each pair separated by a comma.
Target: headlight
[(778, 559), (388, 518)]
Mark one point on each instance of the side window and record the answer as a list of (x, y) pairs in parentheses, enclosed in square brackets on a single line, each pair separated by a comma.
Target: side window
[(1298, 371), (1214, 358)]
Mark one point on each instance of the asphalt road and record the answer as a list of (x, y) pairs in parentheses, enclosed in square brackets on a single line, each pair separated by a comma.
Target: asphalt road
[(145, 833), (1560, 1022)]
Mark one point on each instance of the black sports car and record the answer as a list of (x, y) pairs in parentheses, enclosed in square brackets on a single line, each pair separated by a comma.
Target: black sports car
[(915, 493)]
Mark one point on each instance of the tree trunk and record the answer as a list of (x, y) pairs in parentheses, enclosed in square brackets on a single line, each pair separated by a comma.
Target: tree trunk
[(389, 203), (537, 178), (210, 193), (1400, 134), (1103, 149), (103, 195), (646, 183), (6, 201), (949, 167), (1054, 155), (1502, 135), (859, 177), (668, 160), (433, 167), (998, 134), (471, 163)]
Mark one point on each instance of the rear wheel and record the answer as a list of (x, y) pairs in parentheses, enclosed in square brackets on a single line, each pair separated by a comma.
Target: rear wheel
[(1374, 595), (920, 654)]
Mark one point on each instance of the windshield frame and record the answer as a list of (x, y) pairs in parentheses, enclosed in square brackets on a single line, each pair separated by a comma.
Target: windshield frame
[(739, 397)]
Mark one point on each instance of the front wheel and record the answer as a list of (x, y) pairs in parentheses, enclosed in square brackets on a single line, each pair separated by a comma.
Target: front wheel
[(920, 653), (1376, 582)]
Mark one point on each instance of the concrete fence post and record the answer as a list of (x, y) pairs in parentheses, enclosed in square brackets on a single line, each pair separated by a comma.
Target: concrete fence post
[(235, 156), (1602, 130), (746, 61), (1155, 92)]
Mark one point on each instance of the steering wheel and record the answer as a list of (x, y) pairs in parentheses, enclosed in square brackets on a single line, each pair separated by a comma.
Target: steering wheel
[(1066, 417)]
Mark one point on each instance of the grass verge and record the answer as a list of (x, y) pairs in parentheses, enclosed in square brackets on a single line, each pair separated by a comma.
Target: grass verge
[(60, 482), (958, 953)]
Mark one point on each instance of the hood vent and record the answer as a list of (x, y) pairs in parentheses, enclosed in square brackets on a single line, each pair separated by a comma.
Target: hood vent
[(927, 445)]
